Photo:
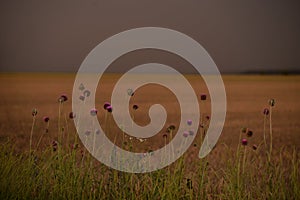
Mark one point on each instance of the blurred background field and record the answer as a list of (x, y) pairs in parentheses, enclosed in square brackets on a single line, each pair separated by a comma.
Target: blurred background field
[(247, 96)]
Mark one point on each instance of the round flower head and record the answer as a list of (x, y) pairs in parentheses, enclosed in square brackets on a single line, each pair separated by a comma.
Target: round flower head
[(46, 119), (244, 142), (94, 112), (254, 147), (109, 109), (86, 93), (130, 92), (135, 107), (207, 117), (63, 98), (266, 111), (185, 134), (189, 122), (272, 102), (81, 87), (34, 112), (249, 133), (54, 145), (191, 133), (244, 130), (87, 132), (170, 128), (106, 104), (81, 98), (71, 115), (203, 97)]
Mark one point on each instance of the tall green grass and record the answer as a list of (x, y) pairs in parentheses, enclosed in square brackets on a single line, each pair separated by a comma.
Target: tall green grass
[(63, 172)]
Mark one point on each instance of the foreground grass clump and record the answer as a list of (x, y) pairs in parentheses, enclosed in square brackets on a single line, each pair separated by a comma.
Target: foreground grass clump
[(64, 170)]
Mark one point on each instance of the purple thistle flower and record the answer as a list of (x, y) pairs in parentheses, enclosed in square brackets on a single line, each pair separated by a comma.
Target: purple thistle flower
[(94, 112), (266, 111), (135, 107), (72, 115), (109, 109), (46, 119), (203, 97), (244, 142), (63, 98), (34, 112), (106, 104), (185, 134), (189, 122)]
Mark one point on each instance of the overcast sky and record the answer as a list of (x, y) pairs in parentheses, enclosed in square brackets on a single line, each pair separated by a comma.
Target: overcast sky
[(57, 35)]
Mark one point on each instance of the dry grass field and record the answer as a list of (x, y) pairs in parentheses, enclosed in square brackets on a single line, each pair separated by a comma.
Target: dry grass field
[(247, 96)]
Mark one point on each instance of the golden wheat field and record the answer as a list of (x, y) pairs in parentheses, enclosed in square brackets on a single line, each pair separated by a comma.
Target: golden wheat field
[(247, 96)]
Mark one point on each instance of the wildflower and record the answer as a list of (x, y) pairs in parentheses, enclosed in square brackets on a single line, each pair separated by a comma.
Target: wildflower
[(72, 115), (106, 104), (34, 112), (244, 142), (135, 107), (86, 93), (151, 152), (272, 102), (254, 147), (46, 119), (266, 111), (185, 134), (130, 92), (203, 97), (63, 98), (54, 145), (244, 130), (87, 132), (74, 146), (94, 112), (81, 87), (82, 98), (109, 109), (170, 128), (189, 122), (249, 133)]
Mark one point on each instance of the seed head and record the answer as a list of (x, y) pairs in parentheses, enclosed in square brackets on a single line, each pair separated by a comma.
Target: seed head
[(272, 102), (34, 112), (72, 115), (93, 112), (135, 107), (249, 133)]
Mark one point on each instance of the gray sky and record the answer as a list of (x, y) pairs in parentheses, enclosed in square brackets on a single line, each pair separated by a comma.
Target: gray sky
[(56, 35)]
